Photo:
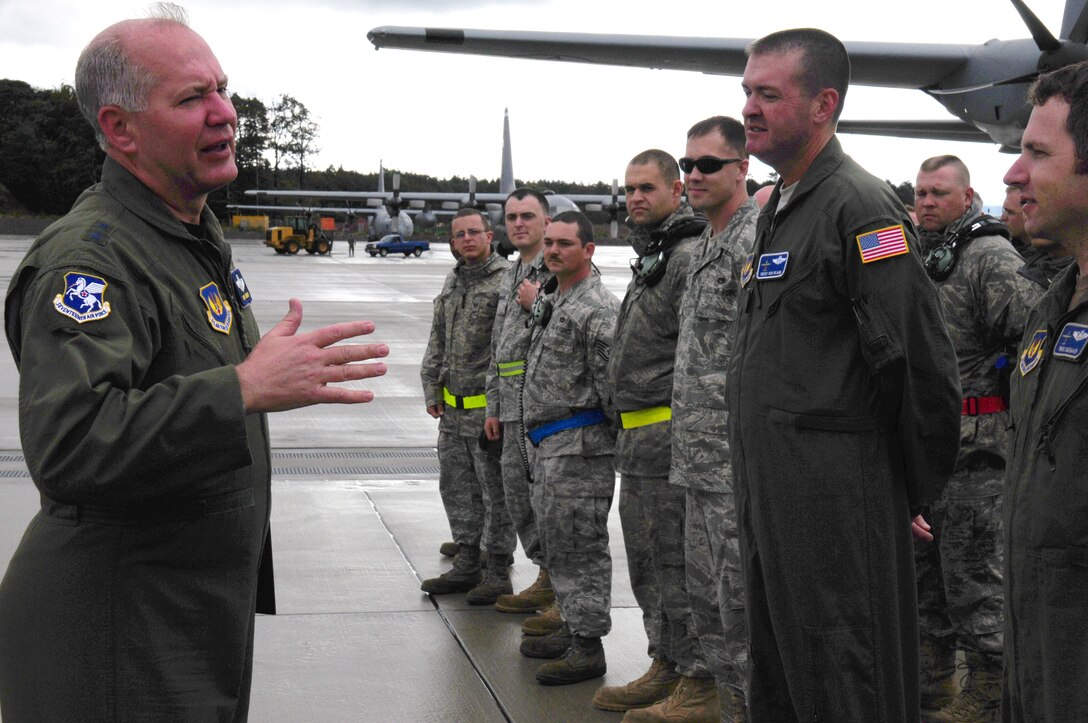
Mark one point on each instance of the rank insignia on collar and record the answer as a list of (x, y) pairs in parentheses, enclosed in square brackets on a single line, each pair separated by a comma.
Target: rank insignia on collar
[(220, 315), (84, 297), (244, 297), (772, 266), (746, 271), (1033, 354), (1071, 342)]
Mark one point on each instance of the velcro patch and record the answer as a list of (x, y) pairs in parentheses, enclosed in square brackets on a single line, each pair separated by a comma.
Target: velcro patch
[(1071, 342), (1033, 353), (882, 243), (83, 298), (220, 315)]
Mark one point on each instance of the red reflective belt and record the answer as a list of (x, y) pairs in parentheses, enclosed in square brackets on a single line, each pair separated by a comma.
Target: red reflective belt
[(974, 406)]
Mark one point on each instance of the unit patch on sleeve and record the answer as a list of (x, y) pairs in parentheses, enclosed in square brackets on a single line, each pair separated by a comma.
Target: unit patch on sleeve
[(84, 297), (772, 266), (244, 297), (1033, 354), (746, 271), (1071, 342), (220, 315), (882, 244)]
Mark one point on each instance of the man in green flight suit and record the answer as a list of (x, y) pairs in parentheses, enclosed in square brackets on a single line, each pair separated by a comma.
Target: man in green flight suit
[(142, 397)]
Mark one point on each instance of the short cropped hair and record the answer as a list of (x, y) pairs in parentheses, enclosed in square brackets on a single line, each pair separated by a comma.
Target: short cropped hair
[(522, 193), (463, 212), (824, 62), (730, 129), (107, 75), (1071, 84), (585, 226), (936, 163), (670, 171)]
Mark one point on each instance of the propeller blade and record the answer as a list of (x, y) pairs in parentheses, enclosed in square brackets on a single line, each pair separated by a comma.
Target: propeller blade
[(472, 191), (614, 228), (1039, 32)]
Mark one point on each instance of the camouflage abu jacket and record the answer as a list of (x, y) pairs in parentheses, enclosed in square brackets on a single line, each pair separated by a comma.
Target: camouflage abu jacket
[(708, 314), (459, 350)]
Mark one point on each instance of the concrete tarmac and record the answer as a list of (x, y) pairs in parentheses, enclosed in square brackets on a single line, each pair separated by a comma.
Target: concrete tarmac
[(357, 522)]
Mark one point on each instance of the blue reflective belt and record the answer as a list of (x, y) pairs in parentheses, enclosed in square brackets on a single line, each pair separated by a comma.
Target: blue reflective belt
[(582, 419)]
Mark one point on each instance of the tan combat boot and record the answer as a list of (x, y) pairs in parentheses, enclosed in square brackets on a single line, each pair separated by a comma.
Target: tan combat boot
[(655, 685), (695, 700), (549, 620), (980, 699), (938, 678), (537, 596)]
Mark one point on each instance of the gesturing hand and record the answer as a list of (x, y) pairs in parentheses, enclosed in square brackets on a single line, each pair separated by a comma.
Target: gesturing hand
[(287, 370)]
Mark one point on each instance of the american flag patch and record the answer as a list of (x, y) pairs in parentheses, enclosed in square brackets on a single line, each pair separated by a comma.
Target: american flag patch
[(883, 243)]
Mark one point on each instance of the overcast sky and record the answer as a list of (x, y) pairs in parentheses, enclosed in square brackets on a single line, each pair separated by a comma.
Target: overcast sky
[(442, 114)]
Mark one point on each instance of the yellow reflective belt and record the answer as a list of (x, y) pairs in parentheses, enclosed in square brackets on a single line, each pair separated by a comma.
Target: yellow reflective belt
[(476, 401), (511, 368), (642, 417)]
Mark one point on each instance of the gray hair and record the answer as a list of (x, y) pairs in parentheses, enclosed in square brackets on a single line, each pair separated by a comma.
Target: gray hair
[(107, 75)]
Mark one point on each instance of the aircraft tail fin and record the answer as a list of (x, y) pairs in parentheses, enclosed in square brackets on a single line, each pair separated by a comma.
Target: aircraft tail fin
[(1075, 21), (506, 180), (381, 177)]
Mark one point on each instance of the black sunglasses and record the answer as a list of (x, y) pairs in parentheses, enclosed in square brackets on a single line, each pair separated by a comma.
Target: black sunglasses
[(706, 164)]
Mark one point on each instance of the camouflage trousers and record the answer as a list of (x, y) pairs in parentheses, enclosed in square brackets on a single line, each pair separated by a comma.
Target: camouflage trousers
[(716, 586), (573, 526), (470, 483), (652, 519), (516, 487), (960, 596)]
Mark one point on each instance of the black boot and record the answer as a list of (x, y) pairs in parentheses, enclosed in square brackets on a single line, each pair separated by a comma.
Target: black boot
[(550, 646), (464, 576), (495, 584), (583, 660)]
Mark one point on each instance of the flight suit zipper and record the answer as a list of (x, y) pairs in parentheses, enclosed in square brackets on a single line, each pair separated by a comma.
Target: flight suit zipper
[(1046, 432)]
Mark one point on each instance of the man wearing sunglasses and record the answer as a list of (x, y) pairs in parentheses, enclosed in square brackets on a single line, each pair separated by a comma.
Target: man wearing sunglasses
[(454, 374), (716, 170), (651, 510), (986, 304)]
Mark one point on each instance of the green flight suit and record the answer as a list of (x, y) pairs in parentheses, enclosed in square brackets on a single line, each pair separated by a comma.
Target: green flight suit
[(845, 415), (133, 591), (1046, 516)]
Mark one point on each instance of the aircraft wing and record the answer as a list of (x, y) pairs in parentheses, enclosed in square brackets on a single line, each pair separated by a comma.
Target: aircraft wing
[(938, 130), (897, 65)]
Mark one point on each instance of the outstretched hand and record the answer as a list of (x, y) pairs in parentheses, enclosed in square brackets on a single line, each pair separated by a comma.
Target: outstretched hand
[(287, 370)]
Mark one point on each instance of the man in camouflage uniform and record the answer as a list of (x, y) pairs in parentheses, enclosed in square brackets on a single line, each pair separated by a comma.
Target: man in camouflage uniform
[(985, 304), (700, 445), (454, 373), (1043, 259), (526, 213), (651, 511), (567, 407)]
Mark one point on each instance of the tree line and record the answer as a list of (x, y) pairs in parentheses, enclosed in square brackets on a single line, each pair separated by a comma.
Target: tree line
[(48, 154)]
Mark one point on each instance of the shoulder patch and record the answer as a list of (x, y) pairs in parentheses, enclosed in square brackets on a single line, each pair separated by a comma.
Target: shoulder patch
[(83, 298), (882, 243), (220, 315), (1033, 353)]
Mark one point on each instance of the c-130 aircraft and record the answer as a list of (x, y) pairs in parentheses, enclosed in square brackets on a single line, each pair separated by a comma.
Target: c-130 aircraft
[(983, 86)]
